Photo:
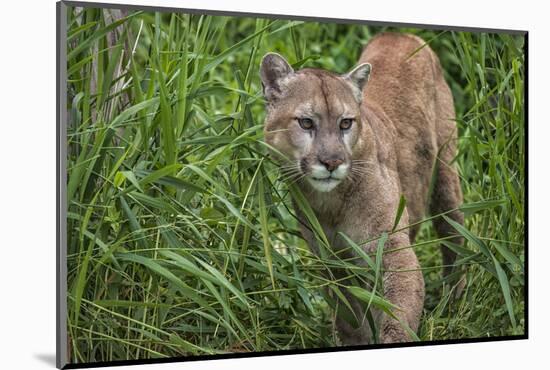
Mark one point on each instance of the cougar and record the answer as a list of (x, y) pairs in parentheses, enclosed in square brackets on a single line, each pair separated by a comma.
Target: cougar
[(355, 143)]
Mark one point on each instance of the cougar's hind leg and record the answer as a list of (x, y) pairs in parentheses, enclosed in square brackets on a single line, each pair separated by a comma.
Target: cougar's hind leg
[(447, 195)]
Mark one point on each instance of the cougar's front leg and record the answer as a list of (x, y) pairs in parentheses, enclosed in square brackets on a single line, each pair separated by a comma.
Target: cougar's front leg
[(404, 287)]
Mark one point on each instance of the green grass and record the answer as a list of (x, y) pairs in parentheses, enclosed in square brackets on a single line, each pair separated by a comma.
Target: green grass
[(181, 235)]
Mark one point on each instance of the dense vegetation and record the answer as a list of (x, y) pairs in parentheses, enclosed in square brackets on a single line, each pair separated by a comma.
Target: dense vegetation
[(181, 235)]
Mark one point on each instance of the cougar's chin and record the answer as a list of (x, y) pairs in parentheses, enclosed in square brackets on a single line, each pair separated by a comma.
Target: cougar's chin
[(323, 185)]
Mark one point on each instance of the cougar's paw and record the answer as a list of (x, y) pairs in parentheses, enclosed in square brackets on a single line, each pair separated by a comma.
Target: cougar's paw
[(393, 332)]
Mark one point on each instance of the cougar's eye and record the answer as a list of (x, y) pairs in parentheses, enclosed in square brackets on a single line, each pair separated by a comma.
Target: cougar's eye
[(305, 123), (346, 123)]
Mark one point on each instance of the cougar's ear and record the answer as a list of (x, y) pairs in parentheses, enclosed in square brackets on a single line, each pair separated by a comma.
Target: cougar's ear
[(359, 76), (273, 70)]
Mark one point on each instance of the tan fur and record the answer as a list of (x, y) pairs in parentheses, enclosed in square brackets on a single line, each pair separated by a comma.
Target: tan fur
[(402, 119)]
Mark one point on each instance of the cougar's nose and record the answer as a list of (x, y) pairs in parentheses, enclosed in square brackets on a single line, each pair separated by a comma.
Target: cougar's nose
[(331, 163)]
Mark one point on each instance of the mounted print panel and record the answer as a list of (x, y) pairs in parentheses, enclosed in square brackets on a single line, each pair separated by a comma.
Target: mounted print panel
[(240, 185)]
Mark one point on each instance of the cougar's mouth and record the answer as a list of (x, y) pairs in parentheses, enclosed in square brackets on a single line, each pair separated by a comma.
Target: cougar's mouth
[(325, 179), (320, 178)]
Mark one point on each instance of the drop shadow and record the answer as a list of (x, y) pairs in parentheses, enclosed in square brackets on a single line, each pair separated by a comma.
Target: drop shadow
[(47, 358)]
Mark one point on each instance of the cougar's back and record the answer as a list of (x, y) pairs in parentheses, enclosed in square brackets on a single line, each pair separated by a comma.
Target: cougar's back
[(408, 87)]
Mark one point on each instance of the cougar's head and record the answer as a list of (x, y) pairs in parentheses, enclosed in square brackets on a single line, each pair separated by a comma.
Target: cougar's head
[(313, 119)]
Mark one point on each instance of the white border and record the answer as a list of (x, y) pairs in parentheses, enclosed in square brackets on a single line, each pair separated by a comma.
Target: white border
[(27, 152)]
